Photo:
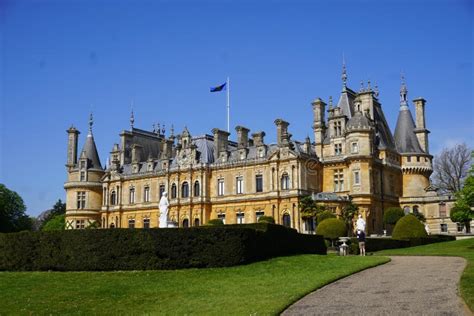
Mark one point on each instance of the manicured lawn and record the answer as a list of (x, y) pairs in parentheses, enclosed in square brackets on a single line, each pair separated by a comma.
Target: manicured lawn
[(260, 288), (459, 248)]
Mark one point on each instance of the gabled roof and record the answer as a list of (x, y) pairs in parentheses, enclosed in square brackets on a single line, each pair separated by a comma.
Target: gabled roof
[(90, 152)]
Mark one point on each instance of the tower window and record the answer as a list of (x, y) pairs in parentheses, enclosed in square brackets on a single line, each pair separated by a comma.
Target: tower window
[(80, 224), (357, 177), (81, 200), (338, 149), (83, 176), (354, 148)]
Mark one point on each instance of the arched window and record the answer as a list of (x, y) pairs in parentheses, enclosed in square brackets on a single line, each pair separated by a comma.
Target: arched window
[(287, 220), (285, 181), (185, 223), (185, 190), (416, 210), (173, 191), (406, 210), (196, 222), (113, 197), (197, 189)]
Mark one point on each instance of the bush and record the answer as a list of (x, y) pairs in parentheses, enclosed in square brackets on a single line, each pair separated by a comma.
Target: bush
[(215, 222), (331, 228), (408, 227), (266, 219), (144, 249), (392, 215), (55, 223), (325, 215)]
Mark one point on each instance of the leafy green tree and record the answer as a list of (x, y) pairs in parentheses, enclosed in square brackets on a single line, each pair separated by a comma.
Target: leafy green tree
[(55, 223), (12, 212), (392, 215), (59, 208), (348, 212), (463, 209), (325, 215)]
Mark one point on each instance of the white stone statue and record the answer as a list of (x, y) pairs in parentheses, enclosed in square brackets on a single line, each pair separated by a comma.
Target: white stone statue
[(164, 210), (360, 224)]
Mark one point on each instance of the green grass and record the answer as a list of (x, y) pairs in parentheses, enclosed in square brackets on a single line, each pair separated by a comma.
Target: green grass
[(460, 248), (260, 288)]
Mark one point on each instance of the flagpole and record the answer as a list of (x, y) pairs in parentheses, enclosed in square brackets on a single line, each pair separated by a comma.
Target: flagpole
[(228, 105)]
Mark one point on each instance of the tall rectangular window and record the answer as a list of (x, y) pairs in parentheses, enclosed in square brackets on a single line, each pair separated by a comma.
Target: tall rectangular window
[(356, 177), (83, 176), (259, 214), (146, 223), (146, 194), (442, 210), (259, 183), (220, 187), (338, 180), (239, 185), (338, 149), (81, 200), (131, 223), (132, 195)]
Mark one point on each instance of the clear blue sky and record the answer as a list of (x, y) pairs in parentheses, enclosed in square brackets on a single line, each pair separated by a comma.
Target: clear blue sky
[(59, 57)]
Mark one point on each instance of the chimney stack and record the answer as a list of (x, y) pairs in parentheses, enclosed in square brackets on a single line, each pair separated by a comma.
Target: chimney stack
[(283, 137), (221, 139), (242, 136)]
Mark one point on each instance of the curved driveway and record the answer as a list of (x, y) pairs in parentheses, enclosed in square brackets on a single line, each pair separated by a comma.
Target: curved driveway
[(404, 286)]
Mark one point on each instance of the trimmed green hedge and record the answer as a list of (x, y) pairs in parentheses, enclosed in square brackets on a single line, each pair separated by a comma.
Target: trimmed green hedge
[(144, 249), (408, 227), (380, 243)]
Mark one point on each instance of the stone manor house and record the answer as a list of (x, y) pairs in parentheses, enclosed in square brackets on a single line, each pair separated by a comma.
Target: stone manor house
[(354, 156)]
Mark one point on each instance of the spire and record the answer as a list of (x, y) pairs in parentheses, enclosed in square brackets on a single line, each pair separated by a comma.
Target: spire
[(403, 94), (132, 116), (91, 122), (344, 73)]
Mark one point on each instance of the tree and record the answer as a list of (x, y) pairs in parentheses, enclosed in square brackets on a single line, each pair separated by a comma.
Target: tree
[(348, 212), (12, 212), (59, 208), (325, 215), (451, 167), (309, 208), (463, 209), (392, 215), (55, 223), (408, 227)]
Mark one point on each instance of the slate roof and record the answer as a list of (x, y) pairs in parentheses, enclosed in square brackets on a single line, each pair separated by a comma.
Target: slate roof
[(405, 137), (90, 152)]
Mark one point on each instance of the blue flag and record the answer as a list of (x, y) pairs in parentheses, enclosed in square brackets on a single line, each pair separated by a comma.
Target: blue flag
[(218, 88)]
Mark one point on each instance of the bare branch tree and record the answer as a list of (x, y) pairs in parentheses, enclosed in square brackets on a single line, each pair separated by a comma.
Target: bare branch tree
[(451, 167)]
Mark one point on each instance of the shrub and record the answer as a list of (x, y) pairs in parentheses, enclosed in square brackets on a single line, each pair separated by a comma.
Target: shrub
[(331, 228), (392, 215), (55, 223), (325, 215), (144, 249), (266, 219), (408, 227), (215, 222)]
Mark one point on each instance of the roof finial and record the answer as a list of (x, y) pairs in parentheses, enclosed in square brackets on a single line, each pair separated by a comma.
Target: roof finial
[(368, 85), (91, 122), (376, 90), (403, 93), (361, 86), (172, 130), (132, 116), (344, 73), (163, 130), (330, 102)]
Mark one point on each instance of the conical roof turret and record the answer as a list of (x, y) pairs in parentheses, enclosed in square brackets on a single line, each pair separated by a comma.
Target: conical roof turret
[(89, 150)]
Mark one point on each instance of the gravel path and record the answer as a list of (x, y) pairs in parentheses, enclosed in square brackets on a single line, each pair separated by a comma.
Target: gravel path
[(404, 286)]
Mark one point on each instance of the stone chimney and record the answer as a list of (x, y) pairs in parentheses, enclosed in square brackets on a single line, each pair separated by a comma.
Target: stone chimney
[(420, 130), (258, 138), (242, 136), (73, 136), (221, 140), (283, 137)]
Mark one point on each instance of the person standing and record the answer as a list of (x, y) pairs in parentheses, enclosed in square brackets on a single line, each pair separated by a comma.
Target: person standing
[(361, 239)]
